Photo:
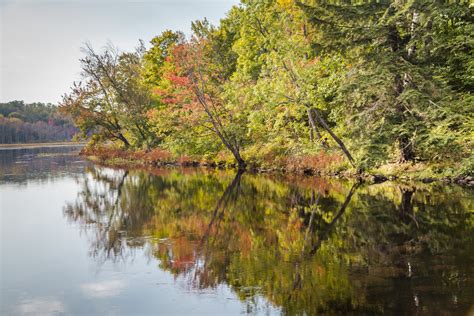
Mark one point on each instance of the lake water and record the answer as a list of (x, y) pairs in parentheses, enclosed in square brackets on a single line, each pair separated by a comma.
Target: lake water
[(82, 239)]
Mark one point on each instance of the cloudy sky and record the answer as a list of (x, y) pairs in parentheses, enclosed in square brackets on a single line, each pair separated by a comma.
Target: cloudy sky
[(40, 40)]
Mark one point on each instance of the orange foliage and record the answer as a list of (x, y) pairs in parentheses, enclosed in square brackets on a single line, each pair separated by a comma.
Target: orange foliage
[(320, 161), (153, 157), (177, 80)]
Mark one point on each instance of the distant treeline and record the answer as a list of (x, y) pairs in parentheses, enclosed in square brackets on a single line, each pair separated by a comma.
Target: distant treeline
[(35, 122)]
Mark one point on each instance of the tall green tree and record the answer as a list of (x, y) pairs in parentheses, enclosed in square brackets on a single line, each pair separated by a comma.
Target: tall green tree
[(392, 92)]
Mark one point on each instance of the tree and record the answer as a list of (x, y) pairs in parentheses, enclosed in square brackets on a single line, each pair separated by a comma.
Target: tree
[(197, 80), (284, 80), (111, 101), (390, 87), (286, 62)]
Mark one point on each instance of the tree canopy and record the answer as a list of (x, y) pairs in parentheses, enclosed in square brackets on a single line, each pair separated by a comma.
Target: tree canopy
[(277, 81)]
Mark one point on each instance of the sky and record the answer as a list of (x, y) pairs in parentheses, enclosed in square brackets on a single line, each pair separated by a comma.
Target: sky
[(40, 40)]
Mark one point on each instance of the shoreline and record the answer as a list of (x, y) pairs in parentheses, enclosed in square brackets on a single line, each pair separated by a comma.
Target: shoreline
[(122, 159)]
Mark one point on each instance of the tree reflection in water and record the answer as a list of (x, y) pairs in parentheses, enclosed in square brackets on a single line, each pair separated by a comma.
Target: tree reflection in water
[(306, 244)]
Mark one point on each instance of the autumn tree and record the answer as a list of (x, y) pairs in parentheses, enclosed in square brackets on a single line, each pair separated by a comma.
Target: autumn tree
[(284, 75), (111, 101), (281, 80), (196, 80)]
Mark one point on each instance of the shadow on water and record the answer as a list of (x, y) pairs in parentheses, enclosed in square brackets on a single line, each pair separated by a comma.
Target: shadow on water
[(306, 245)]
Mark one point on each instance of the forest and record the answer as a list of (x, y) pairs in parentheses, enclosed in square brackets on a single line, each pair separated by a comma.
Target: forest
[(33, 123), (293, 84)]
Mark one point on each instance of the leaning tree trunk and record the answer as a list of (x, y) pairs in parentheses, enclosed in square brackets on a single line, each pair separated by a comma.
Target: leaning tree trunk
[(219, 129), (315, 130), (323, 123), (124, 140), (241, 164)]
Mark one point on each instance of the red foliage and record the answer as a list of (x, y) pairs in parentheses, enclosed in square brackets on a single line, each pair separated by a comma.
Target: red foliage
[(157, 155), (158, 91), (185, 161), (180, 81)]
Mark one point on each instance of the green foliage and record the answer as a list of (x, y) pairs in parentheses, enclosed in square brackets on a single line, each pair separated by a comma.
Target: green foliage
[(112, 100), (398, 88), (156, 57), (377, 82)]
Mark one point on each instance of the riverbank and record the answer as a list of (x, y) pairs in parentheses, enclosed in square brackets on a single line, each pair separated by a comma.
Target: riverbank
[(38, 145), (310, 165)]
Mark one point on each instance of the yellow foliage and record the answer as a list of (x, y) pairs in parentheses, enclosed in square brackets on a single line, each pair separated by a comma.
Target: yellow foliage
[(286, 4)]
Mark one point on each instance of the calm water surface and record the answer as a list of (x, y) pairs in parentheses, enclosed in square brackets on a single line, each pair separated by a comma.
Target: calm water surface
[(87, 240)]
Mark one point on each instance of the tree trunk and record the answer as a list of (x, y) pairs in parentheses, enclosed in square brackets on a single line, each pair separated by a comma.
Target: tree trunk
[(144, 139), (124, 140), (233, 149), (241, 164), (323, 123), (402, 82), (219, 129), (315, 130), (405, 146)]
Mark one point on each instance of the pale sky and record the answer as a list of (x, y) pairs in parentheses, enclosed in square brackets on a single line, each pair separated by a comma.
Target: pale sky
[(40, 40)]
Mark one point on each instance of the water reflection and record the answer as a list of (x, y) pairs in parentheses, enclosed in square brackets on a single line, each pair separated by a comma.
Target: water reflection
[(306, 245)]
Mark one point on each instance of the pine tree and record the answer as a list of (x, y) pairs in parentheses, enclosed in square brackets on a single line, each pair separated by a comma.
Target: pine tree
[(391, 90)]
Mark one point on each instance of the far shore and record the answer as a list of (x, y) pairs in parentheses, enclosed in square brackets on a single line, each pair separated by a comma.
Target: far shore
[(37, 145)]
